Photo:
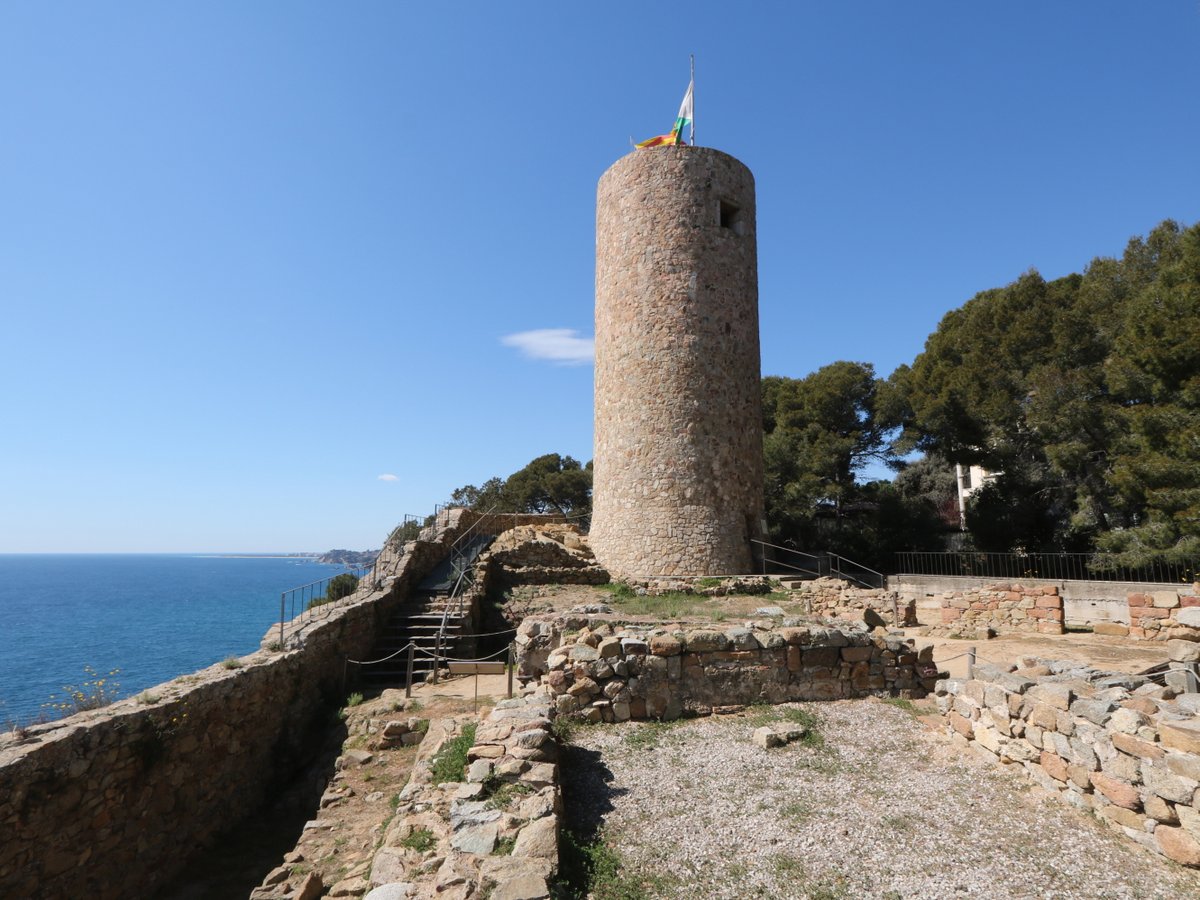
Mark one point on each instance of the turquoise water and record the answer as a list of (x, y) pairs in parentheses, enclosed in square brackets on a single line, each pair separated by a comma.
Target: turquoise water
[(151, 616)]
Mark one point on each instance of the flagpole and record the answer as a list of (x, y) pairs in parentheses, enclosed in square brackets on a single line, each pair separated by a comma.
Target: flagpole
[(692, 57)]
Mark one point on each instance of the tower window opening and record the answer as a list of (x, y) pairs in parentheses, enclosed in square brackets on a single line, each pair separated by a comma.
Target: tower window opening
[(730, 217)]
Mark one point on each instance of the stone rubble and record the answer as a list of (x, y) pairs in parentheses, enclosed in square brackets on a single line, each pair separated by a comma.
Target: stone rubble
[(493, 835), (1119, 745)]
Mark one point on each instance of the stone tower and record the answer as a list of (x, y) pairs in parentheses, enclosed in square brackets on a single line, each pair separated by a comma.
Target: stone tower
[(678, 458)]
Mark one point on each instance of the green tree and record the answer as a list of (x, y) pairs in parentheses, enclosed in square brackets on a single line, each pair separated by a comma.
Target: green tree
[(548, 483), (819, 433), (1081, 394), (341, 586)]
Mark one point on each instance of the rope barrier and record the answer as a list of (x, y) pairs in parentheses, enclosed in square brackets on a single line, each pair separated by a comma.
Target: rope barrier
[(429, 655), (371, 662)]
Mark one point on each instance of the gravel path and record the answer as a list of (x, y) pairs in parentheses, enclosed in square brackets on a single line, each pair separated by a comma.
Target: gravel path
[(884, 809)]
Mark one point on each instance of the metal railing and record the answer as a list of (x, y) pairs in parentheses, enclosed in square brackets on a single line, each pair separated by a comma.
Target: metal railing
[(1053, 566), (307, 602), (816, 565)]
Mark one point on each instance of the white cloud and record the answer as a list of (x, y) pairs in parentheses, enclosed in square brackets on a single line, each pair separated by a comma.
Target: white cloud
[(560, 345), (388, 477)]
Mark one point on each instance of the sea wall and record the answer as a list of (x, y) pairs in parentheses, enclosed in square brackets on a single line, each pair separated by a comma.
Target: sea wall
[(1119, 745), (611, 671), (109, 803)]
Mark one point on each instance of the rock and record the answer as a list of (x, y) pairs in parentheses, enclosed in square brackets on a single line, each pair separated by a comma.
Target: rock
[(773, 612), (1178, 845), (584, 653), (388, 866), (516, 878), (1183, 736), (1189, 617), (1168, 786), (1183, 651), (609, 648), (310, 888), (478, 839), (665, 645), (356, 757), (766, 737), (397, 890), (1114, 629), (1118, 792), (539, 839)]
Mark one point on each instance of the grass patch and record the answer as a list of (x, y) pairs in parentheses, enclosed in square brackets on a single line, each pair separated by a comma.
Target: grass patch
[(619, 590), (419, 839), (649, 735), (450, 763), (504, 794), (797, 811), (354, 699), (504, 846), (707, 583), (900, 703), (671, 605), (592, 869), (231, 662), (145, 698)]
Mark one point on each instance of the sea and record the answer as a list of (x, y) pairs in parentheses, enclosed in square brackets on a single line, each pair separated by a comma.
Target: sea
[(150, 617)]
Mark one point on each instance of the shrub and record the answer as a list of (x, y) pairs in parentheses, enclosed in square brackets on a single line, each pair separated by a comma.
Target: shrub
[(420, 839), (231, 662), (94, 692), (341, 586), (451, 761), (354, 699)]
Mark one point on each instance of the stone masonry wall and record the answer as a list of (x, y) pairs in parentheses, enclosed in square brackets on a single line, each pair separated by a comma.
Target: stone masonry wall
[(108, 803), (1003, 608), (1118, 745), (678, 431), (835, 598), (612, 671), (1163, 615)]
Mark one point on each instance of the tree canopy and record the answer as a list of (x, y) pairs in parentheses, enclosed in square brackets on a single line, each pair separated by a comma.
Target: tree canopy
[(1083, 393), (549, 483)]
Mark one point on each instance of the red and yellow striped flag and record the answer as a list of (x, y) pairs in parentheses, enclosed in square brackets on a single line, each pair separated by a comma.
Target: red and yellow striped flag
[(681, 121)]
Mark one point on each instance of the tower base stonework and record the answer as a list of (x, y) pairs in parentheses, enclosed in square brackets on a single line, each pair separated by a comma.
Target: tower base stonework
[(678, 430)]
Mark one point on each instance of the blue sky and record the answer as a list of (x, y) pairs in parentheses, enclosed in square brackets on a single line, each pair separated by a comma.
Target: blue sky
[(255, 256)]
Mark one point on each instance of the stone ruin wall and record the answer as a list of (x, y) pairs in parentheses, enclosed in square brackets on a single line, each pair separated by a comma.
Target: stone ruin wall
[(1165, 615), (511, 796), (610, 671), (678, 430), (1001, 608), (835, 598), (106, 803), (1118, 745)]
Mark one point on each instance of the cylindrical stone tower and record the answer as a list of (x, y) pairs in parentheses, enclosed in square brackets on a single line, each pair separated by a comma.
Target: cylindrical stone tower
[(678, 469)]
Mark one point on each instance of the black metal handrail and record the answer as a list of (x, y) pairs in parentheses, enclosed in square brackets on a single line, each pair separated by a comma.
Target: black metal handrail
[(819, 565), (1053, 566)]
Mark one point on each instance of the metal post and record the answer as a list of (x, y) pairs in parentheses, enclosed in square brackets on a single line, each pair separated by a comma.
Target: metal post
[(412, 649), (437, 654), (282, 600), (970, 662), (511, 665), (895, 612)]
